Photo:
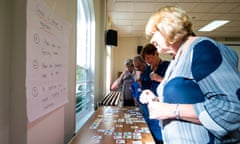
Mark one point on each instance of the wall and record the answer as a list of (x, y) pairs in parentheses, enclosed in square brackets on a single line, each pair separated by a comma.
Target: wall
[(18, 118), (127, 48), (5, 70), (69, 109), (100, 51), (58, 126)]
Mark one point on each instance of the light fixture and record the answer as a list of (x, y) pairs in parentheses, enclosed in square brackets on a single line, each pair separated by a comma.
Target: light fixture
[(213, 25)]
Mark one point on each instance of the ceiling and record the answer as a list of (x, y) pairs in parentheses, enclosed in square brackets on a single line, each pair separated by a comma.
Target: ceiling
[(129, 17)]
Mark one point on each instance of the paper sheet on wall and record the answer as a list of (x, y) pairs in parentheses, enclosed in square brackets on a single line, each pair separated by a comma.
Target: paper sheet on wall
[(47, 59)]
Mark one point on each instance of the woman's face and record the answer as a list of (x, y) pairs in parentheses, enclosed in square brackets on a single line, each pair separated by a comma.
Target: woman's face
[(160, 43), (139, 66), (149, 59), (130, 68)]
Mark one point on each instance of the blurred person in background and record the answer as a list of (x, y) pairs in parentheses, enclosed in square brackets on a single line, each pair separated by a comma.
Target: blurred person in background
[(158, 69), (124, 83)]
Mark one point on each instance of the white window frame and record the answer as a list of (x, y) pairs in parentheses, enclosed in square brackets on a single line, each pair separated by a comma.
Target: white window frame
[(85, 61)]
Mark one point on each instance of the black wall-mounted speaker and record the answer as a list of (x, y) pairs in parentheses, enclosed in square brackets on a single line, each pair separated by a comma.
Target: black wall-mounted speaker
[(139, 49), (111, 37)]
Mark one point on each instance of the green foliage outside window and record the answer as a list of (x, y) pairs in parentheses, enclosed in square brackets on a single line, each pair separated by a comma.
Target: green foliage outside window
[(81, 76)]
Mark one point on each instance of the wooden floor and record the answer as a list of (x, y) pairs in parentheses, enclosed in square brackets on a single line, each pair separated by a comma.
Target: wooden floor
[(114, 125)]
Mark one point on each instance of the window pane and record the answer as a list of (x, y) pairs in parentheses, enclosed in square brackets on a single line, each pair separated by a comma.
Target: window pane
[(84, 67), (81, 36)]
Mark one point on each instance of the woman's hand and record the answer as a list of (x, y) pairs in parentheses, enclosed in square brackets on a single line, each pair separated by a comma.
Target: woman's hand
[(154, 76), (147, 96), (115, 85), (161, 111)]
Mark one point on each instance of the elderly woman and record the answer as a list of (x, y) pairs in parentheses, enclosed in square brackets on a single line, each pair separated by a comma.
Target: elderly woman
[(199, 97), (124, 82)]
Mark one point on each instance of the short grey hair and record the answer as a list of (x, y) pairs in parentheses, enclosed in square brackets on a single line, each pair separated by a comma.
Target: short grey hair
[(128, 62), (139, 58)]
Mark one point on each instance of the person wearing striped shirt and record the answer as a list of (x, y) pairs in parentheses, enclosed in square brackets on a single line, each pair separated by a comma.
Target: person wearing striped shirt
[(199, 97)]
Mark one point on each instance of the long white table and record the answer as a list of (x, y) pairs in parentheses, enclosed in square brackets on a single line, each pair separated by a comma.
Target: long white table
[(114, 125)]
